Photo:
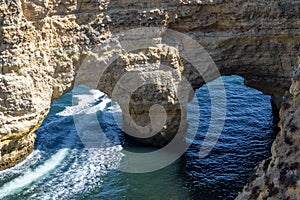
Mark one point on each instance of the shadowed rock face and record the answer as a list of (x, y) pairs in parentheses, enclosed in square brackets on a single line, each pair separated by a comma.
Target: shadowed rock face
[(279, 176), (43, 44)]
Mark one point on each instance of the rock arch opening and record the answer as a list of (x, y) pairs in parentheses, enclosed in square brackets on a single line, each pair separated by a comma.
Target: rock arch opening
[(249, 131)]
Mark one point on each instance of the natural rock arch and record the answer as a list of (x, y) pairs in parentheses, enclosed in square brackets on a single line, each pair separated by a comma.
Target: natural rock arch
[(44, 42)]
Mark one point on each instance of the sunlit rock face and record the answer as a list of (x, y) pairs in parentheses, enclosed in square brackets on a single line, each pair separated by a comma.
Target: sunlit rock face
[(139, 82), (43, 44)]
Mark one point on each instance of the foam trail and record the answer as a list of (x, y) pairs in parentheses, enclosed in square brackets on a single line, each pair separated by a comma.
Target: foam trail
[(29, 177), (103, 104), (85, 98)]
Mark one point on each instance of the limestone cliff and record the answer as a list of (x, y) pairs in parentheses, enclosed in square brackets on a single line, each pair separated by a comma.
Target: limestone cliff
[(279, 176), (43, 43)]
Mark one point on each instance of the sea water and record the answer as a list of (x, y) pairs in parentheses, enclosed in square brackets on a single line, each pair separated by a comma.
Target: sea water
[(60, 166)]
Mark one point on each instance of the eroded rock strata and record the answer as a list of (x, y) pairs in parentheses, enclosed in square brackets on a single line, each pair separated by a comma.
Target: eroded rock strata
[(43, 44)]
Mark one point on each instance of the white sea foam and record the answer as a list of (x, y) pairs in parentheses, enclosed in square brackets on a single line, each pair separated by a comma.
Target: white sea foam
[(18, 184), (84, 99), (73, 170), (85, 174)]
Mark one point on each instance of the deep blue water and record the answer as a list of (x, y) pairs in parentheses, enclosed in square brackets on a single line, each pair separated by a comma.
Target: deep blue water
[(61, 168)]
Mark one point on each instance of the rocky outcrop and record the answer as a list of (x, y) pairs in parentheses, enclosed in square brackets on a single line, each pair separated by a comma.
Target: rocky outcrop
[(137, 81), (43, 44)]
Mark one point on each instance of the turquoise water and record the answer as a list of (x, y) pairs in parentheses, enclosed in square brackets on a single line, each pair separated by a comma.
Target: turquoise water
[(61, 168)]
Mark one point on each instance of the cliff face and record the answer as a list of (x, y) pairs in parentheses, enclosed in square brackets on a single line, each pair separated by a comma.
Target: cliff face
[(279, 176), (43, 43)]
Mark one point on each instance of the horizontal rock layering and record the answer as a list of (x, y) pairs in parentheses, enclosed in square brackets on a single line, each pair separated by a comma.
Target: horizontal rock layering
[(43, 43)]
